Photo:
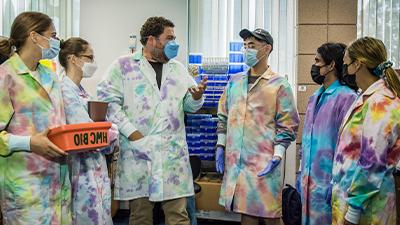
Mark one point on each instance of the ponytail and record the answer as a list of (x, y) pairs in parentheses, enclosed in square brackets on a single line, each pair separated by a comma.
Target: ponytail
[(392, 80), (5, 46)]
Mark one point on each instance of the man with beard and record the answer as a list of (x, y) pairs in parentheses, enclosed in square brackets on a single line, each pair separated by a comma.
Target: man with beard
[(148, 93)]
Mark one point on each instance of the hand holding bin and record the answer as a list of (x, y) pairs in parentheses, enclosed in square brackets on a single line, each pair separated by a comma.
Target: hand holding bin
[(84, 136), (81, 137)]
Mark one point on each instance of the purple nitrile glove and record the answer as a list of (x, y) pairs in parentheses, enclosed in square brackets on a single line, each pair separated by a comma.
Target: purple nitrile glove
[(220, 159), (272, 164)]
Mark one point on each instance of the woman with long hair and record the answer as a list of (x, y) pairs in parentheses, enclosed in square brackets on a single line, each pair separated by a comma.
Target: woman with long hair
[(368, 147), (34, 183), (325, 111)]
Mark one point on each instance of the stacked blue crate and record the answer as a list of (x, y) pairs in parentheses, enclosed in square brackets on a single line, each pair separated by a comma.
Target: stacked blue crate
[(201, 128), (195, 60), (216, 69), (215, 87), (236, 57), (201, 135)]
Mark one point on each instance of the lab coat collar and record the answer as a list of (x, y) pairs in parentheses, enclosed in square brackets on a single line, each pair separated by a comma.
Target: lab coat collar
[(19, 66), (148, 71), (378, 87), (77, 88), (267, 75), (330, 90), (45, 80)]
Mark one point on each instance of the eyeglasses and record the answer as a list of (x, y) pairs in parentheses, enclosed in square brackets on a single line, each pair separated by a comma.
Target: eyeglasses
[(90, 57)]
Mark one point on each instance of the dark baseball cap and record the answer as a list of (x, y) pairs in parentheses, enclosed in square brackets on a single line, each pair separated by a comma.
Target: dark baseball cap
[(258, 33)]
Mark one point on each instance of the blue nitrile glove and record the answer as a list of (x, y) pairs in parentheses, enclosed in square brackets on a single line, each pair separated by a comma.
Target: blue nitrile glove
[(298, 181), (220, 159), (328, 194), (272, 164)]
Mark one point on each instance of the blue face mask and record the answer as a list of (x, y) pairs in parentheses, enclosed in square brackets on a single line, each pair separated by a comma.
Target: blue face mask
[(171, 49), (53, 50), (250, 57)]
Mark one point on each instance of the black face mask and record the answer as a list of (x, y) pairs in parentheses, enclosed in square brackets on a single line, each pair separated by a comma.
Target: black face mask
[(346, 71), (349, 79), (315, 74)]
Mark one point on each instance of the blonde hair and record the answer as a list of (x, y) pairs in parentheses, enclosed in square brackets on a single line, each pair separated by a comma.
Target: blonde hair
[(372, 53)]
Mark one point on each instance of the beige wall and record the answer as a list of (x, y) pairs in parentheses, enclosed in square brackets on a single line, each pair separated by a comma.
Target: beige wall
[(319, 21)]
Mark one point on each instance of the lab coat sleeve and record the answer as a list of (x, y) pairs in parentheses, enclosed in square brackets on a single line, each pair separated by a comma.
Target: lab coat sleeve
[(189, 104), (75, 112), (379, 151), (222, 117), (110, 90), (9, 143), (286, 119)]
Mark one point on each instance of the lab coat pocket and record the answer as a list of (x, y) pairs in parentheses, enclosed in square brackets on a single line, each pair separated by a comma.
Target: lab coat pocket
[(31, 192), (143, 148), (177, 149)]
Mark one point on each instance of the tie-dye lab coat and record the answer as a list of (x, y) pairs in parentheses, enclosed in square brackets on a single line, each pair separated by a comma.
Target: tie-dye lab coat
[(91, 190), (33, 190), (320, 133), (156, 166), (250, 124), (367, 152)]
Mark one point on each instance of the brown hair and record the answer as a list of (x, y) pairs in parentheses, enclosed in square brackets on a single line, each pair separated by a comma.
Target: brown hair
[(73, 46), (154, 26), (372, 53), (23, 24)]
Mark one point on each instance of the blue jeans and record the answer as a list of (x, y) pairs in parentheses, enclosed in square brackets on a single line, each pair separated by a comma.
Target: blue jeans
[(191, 210)]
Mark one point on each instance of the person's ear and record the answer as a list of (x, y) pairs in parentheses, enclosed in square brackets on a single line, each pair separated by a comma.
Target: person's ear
[(73, 60), (268, 49), (264, 50), (332, 65), (151, 41), (33, 36), (357, 65)]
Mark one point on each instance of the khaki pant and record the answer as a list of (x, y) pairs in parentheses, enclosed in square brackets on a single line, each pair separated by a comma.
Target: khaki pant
[(251, 220), (142, 212)]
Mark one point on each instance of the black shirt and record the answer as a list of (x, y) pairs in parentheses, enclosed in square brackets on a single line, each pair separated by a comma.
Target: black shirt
[(252, 79), (157, 66)]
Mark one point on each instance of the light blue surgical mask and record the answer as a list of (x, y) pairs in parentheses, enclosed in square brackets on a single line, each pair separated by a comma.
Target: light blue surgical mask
[(53, 50), (250, 57), (171, 49)]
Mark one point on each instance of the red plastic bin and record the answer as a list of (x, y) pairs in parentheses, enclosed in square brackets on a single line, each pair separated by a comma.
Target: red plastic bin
[(81, 137)]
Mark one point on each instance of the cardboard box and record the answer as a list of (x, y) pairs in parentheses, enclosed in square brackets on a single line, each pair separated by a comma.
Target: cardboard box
[(208, 197)]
